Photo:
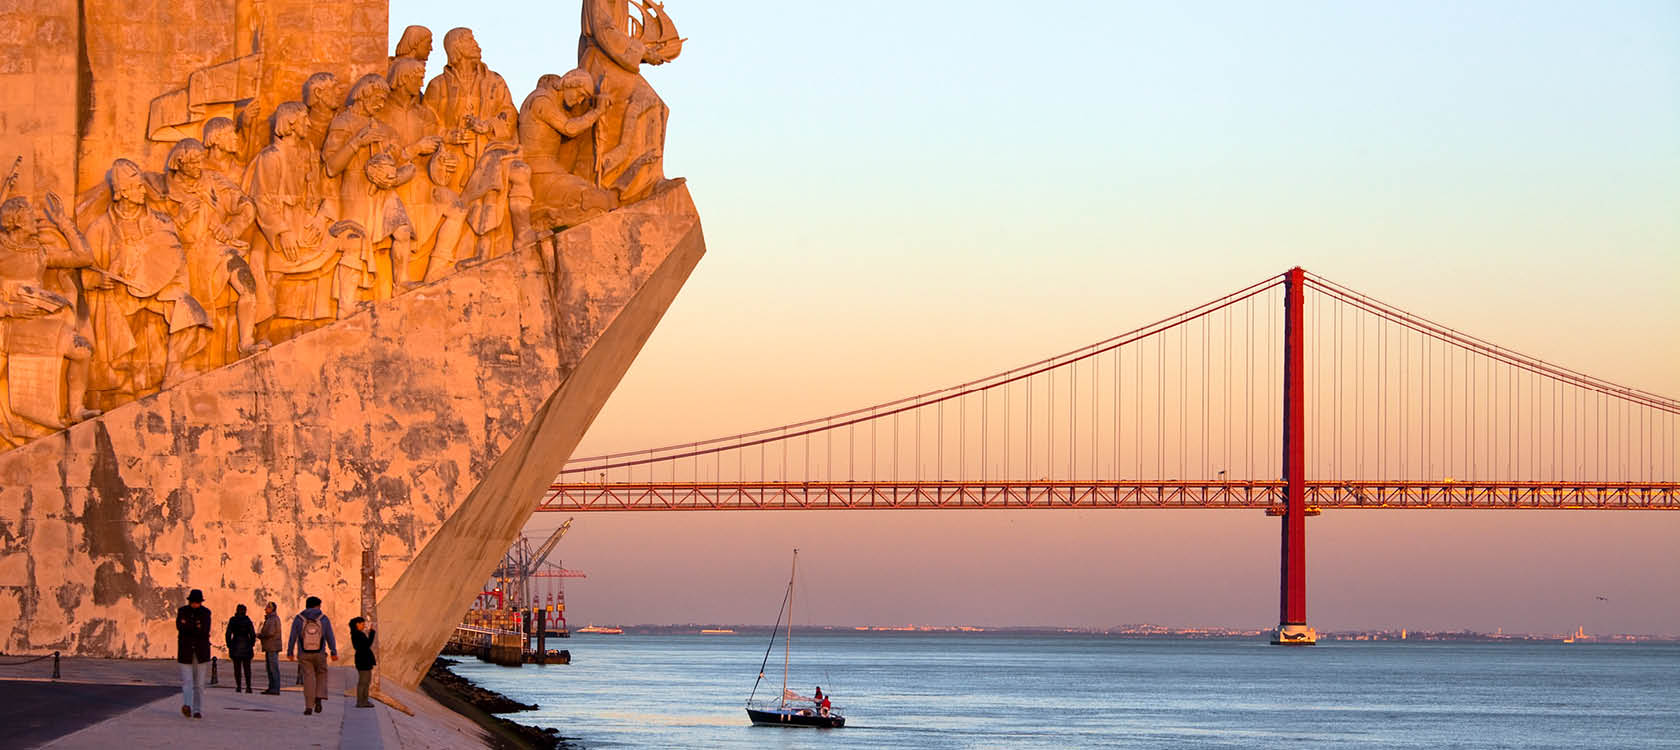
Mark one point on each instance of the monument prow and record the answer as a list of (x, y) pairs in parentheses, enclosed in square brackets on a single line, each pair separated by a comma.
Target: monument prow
[(343, 357)]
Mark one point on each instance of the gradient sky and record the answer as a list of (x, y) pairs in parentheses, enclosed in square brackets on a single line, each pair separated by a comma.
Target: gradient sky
[(901, 196)]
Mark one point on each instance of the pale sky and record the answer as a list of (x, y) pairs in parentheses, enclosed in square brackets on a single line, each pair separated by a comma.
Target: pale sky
[(903, 196)]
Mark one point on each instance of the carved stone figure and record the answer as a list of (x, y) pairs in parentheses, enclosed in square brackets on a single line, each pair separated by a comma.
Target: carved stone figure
[(211, 216), (433, 208), (415, 44), (323, 94), (362, 152), (294, 214), (472, 103), (146, 324), (43, 353), (557, 136), (630, 136), (222, 149)]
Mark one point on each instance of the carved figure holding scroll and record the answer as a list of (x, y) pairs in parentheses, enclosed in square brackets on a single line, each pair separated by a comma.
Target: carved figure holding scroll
[(44, 353), (630, 136), (295, 216), (362, 152), (211, 216), (146, 324), (557, 134)]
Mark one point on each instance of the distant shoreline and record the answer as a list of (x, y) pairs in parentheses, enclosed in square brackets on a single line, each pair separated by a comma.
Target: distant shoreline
[(1148, 632)]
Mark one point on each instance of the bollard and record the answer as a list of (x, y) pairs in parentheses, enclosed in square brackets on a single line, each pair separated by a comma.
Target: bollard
[(212, 670), (55, 665)]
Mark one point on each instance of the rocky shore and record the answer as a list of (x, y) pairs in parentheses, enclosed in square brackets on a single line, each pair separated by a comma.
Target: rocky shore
[(480, 705)]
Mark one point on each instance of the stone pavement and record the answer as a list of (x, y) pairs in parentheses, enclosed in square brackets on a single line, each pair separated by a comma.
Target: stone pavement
[(253, 721)]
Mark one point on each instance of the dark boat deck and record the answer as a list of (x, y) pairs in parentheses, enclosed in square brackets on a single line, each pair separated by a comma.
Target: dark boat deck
[(795, 717)]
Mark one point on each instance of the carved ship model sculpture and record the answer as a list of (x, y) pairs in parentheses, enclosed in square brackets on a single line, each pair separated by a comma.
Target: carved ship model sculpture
[(331, 345)]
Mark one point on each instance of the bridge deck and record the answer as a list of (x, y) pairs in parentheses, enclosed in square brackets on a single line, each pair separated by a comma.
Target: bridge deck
[(857, 495)]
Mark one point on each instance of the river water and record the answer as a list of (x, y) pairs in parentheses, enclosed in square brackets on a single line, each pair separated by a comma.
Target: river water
[(907, 690)]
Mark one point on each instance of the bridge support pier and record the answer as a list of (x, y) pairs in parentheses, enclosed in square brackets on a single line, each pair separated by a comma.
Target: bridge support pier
[(1292, 629)]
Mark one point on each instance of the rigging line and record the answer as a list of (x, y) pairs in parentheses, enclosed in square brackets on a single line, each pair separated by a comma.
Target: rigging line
[(996, 380), (1486, 348), (767, 649)]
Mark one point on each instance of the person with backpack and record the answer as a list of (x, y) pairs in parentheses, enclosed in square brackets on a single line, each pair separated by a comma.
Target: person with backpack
[(361, 639), (312, 639), (192, 641), (241, 640)]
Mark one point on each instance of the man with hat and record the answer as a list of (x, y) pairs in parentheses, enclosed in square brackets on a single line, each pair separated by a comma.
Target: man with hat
[(192, 628)]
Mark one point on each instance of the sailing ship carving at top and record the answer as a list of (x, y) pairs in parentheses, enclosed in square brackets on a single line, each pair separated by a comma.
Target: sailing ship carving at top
[(258, 227)]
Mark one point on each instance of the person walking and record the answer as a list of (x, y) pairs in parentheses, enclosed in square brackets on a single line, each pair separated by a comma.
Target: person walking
[(361, 639), (192, 642), (271, 645), (241, 639), (312, 639)]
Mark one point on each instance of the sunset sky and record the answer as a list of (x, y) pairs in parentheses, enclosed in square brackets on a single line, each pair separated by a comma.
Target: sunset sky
[(902, 196)]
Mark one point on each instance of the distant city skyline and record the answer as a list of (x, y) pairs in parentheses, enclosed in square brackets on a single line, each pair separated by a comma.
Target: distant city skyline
[(899, 198)]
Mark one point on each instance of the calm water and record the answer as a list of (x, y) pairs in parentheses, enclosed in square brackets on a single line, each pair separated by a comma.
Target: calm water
[(966, 691)]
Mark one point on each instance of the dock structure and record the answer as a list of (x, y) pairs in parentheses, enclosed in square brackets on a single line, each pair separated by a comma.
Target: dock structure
[(494, 645)]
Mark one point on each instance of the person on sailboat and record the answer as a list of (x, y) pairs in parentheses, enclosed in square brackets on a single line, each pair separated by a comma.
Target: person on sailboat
[(822, 703)]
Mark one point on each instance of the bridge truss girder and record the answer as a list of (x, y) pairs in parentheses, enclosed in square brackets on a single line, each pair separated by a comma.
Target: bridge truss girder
[(1024, 495)]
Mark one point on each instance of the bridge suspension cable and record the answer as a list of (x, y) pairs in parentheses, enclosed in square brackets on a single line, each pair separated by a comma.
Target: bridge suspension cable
[(1186, 412)]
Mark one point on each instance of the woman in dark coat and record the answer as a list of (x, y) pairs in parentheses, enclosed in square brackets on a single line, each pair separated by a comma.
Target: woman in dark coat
[(361, 639), (241, 645)]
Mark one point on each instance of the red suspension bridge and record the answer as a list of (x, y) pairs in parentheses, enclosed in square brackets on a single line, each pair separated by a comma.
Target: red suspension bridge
[(1293, 395)]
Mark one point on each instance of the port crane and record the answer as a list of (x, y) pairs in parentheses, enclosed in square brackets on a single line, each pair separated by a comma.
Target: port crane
[(525, 569)]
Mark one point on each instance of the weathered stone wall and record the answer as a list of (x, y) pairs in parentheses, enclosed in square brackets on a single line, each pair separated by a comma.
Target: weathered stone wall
[(38, 93), (425, 428), (138, 50)]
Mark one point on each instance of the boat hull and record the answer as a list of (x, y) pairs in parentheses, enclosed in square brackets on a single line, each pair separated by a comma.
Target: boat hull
[(799, 718)]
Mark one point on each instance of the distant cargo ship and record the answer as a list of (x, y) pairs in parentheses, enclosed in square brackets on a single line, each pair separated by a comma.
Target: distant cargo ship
[(601, 631), (716, 631)]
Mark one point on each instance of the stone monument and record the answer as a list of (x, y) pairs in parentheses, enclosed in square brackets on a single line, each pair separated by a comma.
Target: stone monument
[(311, 319)]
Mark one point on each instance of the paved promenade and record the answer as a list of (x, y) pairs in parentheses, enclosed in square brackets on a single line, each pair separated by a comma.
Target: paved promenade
[(136, 705)]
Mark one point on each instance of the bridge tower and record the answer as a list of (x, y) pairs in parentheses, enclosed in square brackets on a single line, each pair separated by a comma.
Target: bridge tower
[(1292, 629)]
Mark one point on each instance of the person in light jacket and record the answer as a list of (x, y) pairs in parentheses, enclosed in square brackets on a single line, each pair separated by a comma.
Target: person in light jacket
[(271, 646)]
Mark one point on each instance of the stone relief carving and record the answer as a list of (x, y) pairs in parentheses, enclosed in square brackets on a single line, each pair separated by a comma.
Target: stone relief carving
[(212, 216), (630, 136), (557, 133), (44, 350), (361, 151), (257, 229), (146, 324)]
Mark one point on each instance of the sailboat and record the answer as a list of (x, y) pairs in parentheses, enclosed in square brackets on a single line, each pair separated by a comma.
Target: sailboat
[(802, 711)]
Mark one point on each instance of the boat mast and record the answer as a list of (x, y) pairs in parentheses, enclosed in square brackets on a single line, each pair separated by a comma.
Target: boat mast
[(787, 643)]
